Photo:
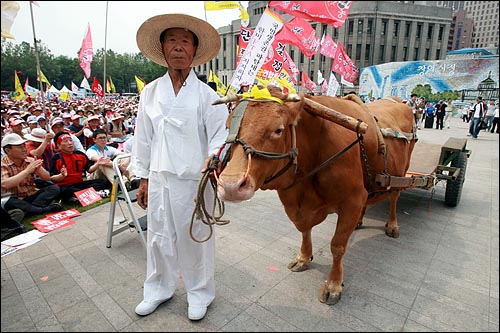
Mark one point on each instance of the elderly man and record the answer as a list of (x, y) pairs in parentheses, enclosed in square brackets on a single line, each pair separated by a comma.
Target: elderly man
[(57, 126), (177, 129), (18, 179)]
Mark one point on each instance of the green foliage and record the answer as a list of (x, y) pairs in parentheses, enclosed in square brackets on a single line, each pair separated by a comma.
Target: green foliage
[(426, 92), (62, 70)]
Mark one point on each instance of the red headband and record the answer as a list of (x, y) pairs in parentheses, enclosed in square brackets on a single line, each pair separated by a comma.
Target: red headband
[(62, 138)]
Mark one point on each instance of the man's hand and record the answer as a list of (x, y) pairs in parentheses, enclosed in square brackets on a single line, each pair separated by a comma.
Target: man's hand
[(142, 193)]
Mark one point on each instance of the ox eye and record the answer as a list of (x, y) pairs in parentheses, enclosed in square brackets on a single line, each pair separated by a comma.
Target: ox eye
[(278, 132)]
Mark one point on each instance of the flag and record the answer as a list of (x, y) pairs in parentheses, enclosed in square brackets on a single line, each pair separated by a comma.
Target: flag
[(329, 12), (140, 84), (307, 82), (43, 78), (300, 33), (324, 87), (85, 84), (31, 91), (258, 47), (108, 86), (245, 18), (9, 13), (113, 89), (19, 93), (74, 87), (320, 77), (333, 85), (26, 83), (86, 53), (345, 82), (219, 5), (221, 88), (97, 88), (65, 96), (328, 47), (343, 65)]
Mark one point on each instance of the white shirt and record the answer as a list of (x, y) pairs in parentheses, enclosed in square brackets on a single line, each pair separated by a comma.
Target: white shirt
[(109, 152), (176, 134)]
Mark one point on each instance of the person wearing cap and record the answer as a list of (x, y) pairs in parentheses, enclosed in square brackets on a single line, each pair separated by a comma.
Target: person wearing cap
[(177, 129), (76, 127), (38, 145), (17, 126), (67, 167), (116, 127), (93, 123), (42, 123), (57, 126), (32, 123), (18, 178)]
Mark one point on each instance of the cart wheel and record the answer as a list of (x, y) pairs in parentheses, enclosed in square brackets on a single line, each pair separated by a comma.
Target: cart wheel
[(454, 187)]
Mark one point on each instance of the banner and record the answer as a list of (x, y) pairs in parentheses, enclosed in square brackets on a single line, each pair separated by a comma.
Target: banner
[(333, 85), (86, 53), (140, 84), (329, 12), (220, 5), (19, 91), (31, 90), (300, 33), (328, 47), (74, 87), (97, 88), (85, 84), (343, 65), (258, 47), (221, 88)]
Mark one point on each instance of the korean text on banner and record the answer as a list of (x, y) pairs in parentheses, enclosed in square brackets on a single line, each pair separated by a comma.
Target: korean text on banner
[(258, 47), (86, 53)]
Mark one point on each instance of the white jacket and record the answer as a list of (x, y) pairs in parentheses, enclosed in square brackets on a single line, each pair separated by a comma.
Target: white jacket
[(176, 134)]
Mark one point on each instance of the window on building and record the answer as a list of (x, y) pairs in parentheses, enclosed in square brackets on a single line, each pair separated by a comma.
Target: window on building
[(358, 52), (405, 53), (438, 54), (419, 31), (429, 31), (369, 27), (415, 54), (216, 64), (427, 54), (367, 52), (381, 55), (360, 27), (350, 27), (396, 29), (384, 27), (224, 44), (407, 29), (393, 53)]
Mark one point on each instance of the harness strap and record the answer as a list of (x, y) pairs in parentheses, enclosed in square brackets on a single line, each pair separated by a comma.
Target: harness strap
[(234, 127)]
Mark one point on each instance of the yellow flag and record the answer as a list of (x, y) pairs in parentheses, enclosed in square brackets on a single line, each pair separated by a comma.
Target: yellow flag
[(221, 88), (19, 88), (113, 89), (65, 96), (43, 78), (219, 5), (245, 18), (140, 84)]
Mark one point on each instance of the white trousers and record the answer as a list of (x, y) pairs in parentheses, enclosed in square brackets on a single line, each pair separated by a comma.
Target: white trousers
[(447, 118), (170, 249)]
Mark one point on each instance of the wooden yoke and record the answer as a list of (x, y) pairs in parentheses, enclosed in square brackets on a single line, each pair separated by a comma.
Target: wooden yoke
[(322, 111)]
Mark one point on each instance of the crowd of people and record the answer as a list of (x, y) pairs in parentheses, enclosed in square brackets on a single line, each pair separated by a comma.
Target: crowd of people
[(52, 149)]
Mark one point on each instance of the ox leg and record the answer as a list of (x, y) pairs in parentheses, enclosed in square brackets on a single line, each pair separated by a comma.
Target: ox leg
[(332, 290), (391, 227), (303, 260), (360, 221)]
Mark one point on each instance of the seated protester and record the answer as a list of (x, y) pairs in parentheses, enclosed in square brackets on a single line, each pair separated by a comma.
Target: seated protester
[(18, 178), (42, 123), (100, 152), (93, 123), (116, 127), (57, 126), (32, 124), (11, 221), (17, 126), (76, 127), (67, 167), (38, 145)]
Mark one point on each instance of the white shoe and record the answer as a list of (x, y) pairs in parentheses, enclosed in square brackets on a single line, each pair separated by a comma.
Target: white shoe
[(197, 312), (147, 307)]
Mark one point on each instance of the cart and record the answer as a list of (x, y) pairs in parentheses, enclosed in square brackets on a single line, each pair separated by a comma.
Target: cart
[(430, 164)]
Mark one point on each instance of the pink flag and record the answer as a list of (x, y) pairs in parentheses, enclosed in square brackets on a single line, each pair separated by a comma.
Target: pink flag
[(329, 12), (308, 83), (86, 53), (26, 84), (343, 65), (300, 33), (324, 87), (328, 47)]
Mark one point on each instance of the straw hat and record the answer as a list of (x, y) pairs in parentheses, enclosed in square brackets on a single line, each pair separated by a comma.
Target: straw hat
[(148, 37)]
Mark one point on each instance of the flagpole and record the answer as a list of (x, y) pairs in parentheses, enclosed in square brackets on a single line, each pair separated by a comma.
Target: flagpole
[(105, 49), (39, 78)]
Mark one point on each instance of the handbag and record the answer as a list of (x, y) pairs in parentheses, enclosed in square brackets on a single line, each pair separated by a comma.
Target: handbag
[(483, 125)]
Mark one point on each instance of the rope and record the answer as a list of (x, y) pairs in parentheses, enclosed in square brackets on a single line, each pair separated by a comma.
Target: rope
[(200, 212)]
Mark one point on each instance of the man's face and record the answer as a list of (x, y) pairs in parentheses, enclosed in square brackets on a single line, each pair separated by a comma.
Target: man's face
[(66, 145), (178, 48), (17, 152), (101, 140)]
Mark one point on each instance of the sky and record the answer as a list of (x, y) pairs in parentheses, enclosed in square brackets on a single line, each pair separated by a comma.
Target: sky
[(61, 25)]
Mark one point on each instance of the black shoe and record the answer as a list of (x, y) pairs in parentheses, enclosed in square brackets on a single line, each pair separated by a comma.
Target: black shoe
[(55, 207), (73, 201)]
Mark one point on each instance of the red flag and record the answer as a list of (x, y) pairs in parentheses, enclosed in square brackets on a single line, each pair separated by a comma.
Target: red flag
[(343, 65), (86, 53), (97, 88), (307, 82), (329, 12), (328, 47), (300, 33)]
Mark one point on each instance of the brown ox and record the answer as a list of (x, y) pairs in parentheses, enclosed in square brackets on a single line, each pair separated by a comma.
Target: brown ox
[(342, 186)]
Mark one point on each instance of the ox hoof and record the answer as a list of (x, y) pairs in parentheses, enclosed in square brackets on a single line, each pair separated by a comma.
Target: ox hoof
[(329, 298), (298, 266), (392, 232)]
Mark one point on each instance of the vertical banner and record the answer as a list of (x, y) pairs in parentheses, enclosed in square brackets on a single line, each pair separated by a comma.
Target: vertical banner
[(86, 53), (258, 47), (333, 85)]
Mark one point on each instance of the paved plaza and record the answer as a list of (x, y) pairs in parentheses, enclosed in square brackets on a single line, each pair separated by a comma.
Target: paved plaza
[(441, 274)]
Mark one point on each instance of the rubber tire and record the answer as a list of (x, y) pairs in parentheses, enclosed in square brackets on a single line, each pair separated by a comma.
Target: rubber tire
[(454, 187)]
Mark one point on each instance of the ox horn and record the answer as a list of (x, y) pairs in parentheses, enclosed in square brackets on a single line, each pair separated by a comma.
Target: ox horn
[(322, 111), (227, 99)]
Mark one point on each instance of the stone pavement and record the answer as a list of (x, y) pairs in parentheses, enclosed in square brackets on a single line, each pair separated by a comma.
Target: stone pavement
[(440, 275)]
